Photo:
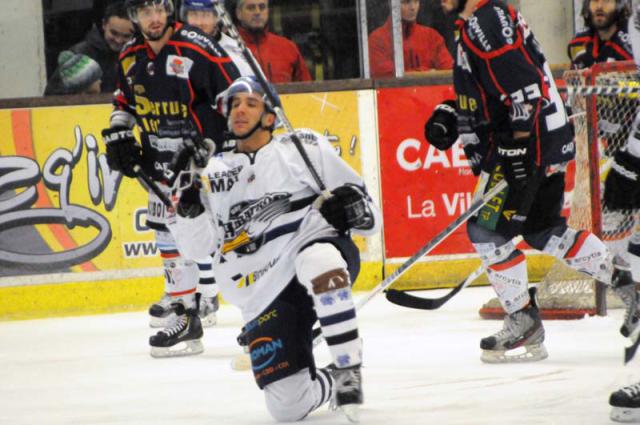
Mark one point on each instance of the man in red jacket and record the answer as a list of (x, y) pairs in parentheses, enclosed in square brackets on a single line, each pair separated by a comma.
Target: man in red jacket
[(279, 57), (424, 48)]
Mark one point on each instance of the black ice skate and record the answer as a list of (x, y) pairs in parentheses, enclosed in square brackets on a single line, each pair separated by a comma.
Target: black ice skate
[(162, 314), (625, 404), (520, 340), (182, 339), (625, 288), (207, 308), (347, 391)]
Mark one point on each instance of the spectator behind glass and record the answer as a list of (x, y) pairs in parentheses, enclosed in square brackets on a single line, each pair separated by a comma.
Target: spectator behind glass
[(279, 57), (104, 44), (606, 38), (76, 74), (424, 48)]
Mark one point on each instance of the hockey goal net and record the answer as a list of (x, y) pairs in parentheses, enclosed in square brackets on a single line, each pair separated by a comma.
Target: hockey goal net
[(602, 104)]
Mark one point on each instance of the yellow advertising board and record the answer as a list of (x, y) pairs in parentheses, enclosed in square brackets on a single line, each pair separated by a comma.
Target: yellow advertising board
[(65, 216)]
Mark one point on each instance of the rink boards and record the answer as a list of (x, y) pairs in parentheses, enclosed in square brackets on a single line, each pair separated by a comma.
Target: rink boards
[(73, 238)]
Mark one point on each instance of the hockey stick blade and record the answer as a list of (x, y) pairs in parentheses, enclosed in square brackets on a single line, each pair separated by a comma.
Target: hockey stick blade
[(404, 299)]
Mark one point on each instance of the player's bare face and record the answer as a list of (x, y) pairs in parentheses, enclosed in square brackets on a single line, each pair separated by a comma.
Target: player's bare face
[(117, 32), (246, 111), (254, 14), (603, 13), (153, 21), (206, 20), (448, 6), (409, 10)]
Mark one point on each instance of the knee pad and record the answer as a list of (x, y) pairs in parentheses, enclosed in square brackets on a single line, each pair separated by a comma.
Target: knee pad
[(180, 275), (582, 251), (321, 269), (507, 272), (481, 235)]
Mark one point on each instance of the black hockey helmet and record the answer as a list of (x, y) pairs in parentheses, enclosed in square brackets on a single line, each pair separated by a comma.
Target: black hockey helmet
[(623, 12), (132, 7)]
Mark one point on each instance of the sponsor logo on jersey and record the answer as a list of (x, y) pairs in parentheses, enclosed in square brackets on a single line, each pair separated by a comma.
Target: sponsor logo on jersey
[(264, 351), (506, 24), (223, 181), (202, 40), (179, 66), (520, 112), (476, 33)]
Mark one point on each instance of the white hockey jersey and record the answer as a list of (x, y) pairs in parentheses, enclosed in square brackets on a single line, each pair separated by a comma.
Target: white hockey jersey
[(259, 215), (233, 50)]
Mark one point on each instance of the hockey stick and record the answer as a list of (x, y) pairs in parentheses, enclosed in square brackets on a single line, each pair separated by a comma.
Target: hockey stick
[(405, 299), (242, 362), (153, 186), (601, 90), (262, 79)]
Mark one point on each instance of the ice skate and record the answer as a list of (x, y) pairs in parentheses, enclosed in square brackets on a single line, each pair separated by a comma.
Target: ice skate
[(162, 314), (347, 391), (207, 308), (520, 340), (625, 404), (182, 339), (625, 288)]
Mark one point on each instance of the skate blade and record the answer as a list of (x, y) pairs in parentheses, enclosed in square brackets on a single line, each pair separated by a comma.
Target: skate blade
[(527, 353), (625, 414), (352, 412), (162, 322), (181, 349), (241, 362), (209, 320)]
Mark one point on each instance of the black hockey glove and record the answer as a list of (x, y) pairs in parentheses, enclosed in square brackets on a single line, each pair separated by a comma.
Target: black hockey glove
[(347, 208), (190, 205), (516, 160), (123, 151), (622, 187), (441, 129)]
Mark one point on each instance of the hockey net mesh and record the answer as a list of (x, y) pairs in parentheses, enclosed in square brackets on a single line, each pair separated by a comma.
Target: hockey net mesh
[(602, 122)]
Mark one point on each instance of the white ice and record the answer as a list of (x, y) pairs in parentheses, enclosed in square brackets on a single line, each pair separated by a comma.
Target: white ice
[(422, 367)]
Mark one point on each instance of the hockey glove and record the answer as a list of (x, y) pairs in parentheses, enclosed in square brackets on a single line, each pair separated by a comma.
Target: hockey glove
[(190, 205), (123, 151), (441, 130), (622, 186), (347, 208), (515, 157)]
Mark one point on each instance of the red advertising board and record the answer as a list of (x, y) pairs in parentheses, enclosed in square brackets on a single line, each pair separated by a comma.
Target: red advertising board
[(423, 189)]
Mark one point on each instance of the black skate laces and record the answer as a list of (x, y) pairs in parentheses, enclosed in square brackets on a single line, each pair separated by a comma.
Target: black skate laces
[(632, 390)]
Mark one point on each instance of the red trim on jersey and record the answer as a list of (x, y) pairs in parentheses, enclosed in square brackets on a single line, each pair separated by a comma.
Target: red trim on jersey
[(582, 237), (495, 53), (216, 60), (169, 254), (620, 50), (131, 50), (509, 263), (576, 40), (596, 46), (187, 292)]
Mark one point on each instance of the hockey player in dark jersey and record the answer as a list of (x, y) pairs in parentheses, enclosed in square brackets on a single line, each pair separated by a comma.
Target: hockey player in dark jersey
[(513, 125), (168, 79), (606, 38)]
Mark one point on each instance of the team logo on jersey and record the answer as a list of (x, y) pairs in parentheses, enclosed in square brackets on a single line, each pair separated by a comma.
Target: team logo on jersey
[(151, 69), (179, 66), (248, 221), (520, 111)]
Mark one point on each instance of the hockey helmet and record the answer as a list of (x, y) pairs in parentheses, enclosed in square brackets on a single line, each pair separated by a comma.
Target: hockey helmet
[(187, 5), (132, 7), (248, 84), (622, 13)]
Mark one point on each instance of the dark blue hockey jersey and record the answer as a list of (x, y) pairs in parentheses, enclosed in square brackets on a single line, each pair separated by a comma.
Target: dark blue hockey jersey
[(172, 94), (503, 84)]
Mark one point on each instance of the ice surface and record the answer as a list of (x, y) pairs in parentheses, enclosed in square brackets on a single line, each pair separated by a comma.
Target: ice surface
[(421, 367)]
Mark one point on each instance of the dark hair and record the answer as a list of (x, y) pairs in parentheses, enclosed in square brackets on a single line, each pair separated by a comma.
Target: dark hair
[(623, 12), (116, 9)]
